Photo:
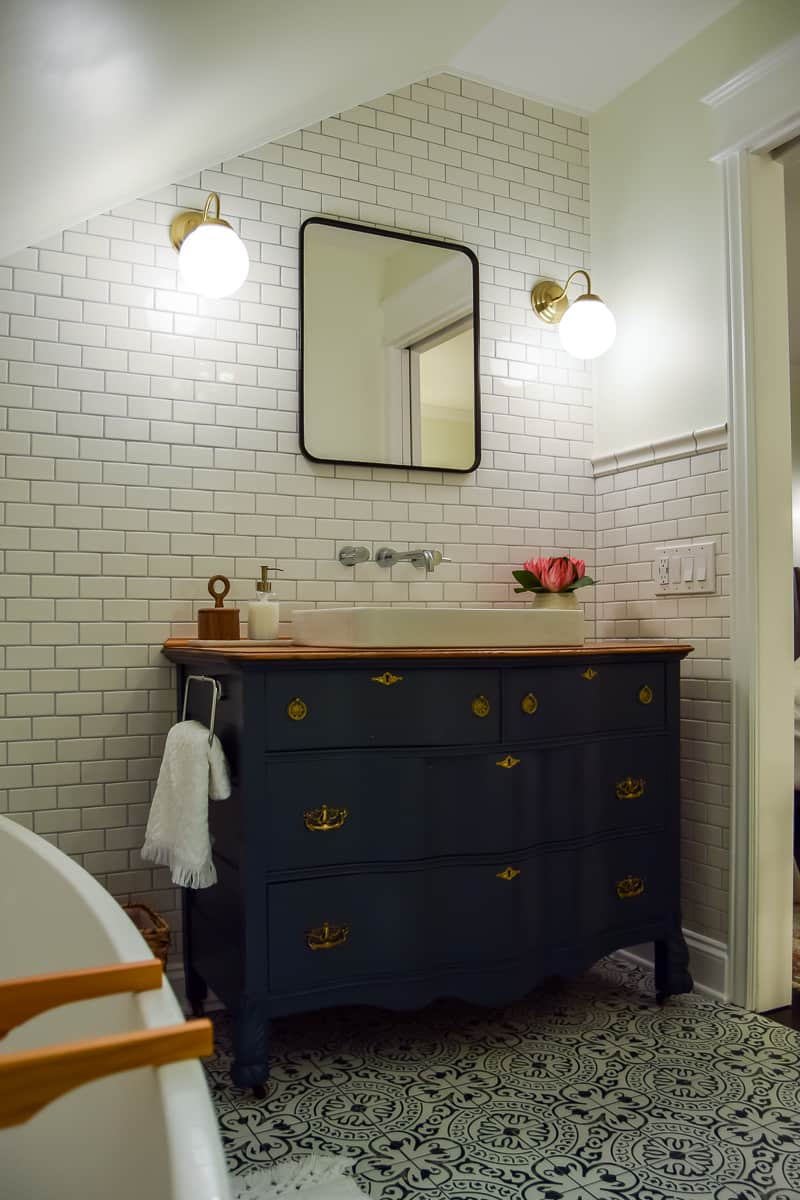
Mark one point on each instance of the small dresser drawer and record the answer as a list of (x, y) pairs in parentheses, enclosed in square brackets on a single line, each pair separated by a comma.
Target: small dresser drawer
[(600, 787), (328, 810), (327, 933), (381, 706), (587, 697)]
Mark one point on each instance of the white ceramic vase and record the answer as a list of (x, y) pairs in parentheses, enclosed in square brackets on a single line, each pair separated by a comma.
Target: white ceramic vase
[(556, 600)]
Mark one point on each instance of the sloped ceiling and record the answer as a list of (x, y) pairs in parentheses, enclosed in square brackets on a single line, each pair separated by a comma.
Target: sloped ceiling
[(104, 100)]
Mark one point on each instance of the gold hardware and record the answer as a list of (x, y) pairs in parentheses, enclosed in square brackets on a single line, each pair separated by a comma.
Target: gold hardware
[(549, 300), (387, 678), (509, 873), (186, 222), (529, 704), (646, 694), (481, 706), (327, 936), (297, 709), (630, 789), (325, 818), (630, 886), (590, 673), (508, 762)]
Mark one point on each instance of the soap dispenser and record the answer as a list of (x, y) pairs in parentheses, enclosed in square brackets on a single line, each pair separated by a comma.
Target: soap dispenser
[(263, 613)]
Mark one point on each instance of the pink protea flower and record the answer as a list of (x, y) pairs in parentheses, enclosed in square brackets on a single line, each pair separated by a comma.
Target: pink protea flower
[(580, 567), (558, 574), (536, 566)]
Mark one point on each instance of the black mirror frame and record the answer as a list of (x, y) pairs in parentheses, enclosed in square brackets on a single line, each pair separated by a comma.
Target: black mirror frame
[(425, 241)]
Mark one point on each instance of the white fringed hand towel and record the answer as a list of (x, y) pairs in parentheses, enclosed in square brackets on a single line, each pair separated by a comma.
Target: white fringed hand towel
[(177, 828)]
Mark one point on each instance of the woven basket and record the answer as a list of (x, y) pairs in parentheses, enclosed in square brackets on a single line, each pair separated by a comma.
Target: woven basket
[(153, 928)]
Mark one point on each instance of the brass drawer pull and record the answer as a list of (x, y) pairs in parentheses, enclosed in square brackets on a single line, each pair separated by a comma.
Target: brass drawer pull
[(590, 673), (481, 706), (646, 694), (387, 679), (297, 709), (325, 818), (630, 886), (529, 704), (509, 873), (630, 789), (508, 762), (327, 936)]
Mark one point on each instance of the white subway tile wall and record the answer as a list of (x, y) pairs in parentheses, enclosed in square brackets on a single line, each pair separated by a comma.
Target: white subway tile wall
[(150, 437), (682, 500)]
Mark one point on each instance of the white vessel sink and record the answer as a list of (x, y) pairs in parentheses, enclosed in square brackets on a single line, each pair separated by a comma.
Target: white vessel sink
[(410, 627)]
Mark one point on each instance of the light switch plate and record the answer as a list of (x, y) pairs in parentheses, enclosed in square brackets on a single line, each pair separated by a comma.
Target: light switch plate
[(685, 569)]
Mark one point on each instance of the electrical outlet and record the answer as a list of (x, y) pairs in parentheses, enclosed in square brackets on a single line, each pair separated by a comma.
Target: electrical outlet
[(685, 569)]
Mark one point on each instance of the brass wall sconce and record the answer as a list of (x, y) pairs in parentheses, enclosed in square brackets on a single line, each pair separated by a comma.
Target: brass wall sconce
[(212, 257), (586, 327)]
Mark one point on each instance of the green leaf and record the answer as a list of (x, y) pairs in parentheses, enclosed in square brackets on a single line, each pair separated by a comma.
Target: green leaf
[(528, 580), (579, 583)]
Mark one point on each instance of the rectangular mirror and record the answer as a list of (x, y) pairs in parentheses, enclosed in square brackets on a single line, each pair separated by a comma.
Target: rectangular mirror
[(389, 349)]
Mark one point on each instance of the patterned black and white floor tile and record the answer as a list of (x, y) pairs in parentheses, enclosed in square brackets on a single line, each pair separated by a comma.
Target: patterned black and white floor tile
[(585, 1090)]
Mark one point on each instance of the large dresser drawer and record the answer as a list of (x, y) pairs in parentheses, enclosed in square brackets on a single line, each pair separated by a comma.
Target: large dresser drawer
[(337, 931), (344, 929), (382, 706), (328, 810), (547, 702)]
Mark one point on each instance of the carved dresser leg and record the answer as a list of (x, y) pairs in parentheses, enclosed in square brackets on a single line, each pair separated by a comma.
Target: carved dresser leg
[(672, 966), (250, 1030)]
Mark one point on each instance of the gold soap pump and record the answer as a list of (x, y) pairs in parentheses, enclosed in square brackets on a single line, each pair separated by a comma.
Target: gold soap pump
[(263, 613)]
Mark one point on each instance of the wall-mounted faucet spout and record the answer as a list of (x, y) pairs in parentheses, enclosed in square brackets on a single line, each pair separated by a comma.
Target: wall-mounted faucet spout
[(426, 560)]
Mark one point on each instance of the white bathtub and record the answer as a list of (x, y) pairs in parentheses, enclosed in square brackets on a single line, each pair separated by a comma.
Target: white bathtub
[(148, 1134)]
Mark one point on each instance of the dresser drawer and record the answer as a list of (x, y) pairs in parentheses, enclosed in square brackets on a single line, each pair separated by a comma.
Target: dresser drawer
[(325, 810), (333, 932), (547, 702), (381, 707), (599, 787)]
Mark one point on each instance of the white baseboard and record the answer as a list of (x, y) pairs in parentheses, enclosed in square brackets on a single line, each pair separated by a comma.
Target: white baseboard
[(708, 962)]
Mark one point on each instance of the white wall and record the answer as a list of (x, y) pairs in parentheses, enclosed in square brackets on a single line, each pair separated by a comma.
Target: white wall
[(792, 192), (657, 227), (150, 438)]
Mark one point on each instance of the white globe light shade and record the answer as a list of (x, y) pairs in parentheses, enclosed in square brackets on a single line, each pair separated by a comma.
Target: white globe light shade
[(587, 328), (213, 260)]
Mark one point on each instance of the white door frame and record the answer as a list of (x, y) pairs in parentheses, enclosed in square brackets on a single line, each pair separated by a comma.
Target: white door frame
[(752, 113)]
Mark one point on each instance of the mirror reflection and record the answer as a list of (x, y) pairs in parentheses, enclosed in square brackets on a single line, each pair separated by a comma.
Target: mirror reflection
[(389, 349)]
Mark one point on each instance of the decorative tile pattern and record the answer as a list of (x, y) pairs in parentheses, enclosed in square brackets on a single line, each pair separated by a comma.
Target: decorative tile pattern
[(585, 1090)]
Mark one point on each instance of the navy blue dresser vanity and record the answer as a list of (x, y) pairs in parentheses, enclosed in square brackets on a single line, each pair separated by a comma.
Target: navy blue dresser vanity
[(411, 824)]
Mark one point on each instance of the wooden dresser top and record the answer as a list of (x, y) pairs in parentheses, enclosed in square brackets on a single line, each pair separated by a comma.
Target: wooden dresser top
[(191, 650)]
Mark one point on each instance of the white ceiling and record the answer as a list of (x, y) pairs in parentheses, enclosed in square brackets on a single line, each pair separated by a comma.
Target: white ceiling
[(105, 100), (579, 54)]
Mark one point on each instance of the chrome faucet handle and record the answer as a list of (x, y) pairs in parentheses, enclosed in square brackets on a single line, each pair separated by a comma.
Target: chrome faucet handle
[(438, 557), (350, 555)]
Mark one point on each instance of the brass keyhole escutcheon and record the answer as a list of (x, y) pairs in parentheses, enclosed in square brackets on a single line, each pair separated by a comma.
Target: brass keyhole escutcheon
[(509, 873), (646, 694), (630, 789), (297, 709), (481, 706), (508, 762), (629, 887), (590, 673), (387, 678), (529, 704)]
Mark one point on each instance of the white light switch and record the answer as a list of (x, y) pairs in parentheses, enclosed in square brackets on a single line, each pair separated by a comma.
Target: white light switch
[(686, 569)]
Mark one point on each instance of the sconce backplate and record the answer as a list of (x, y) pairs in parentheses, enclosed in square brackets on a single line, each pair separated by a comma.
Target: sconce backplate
[(549, 301), (186, 223)]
